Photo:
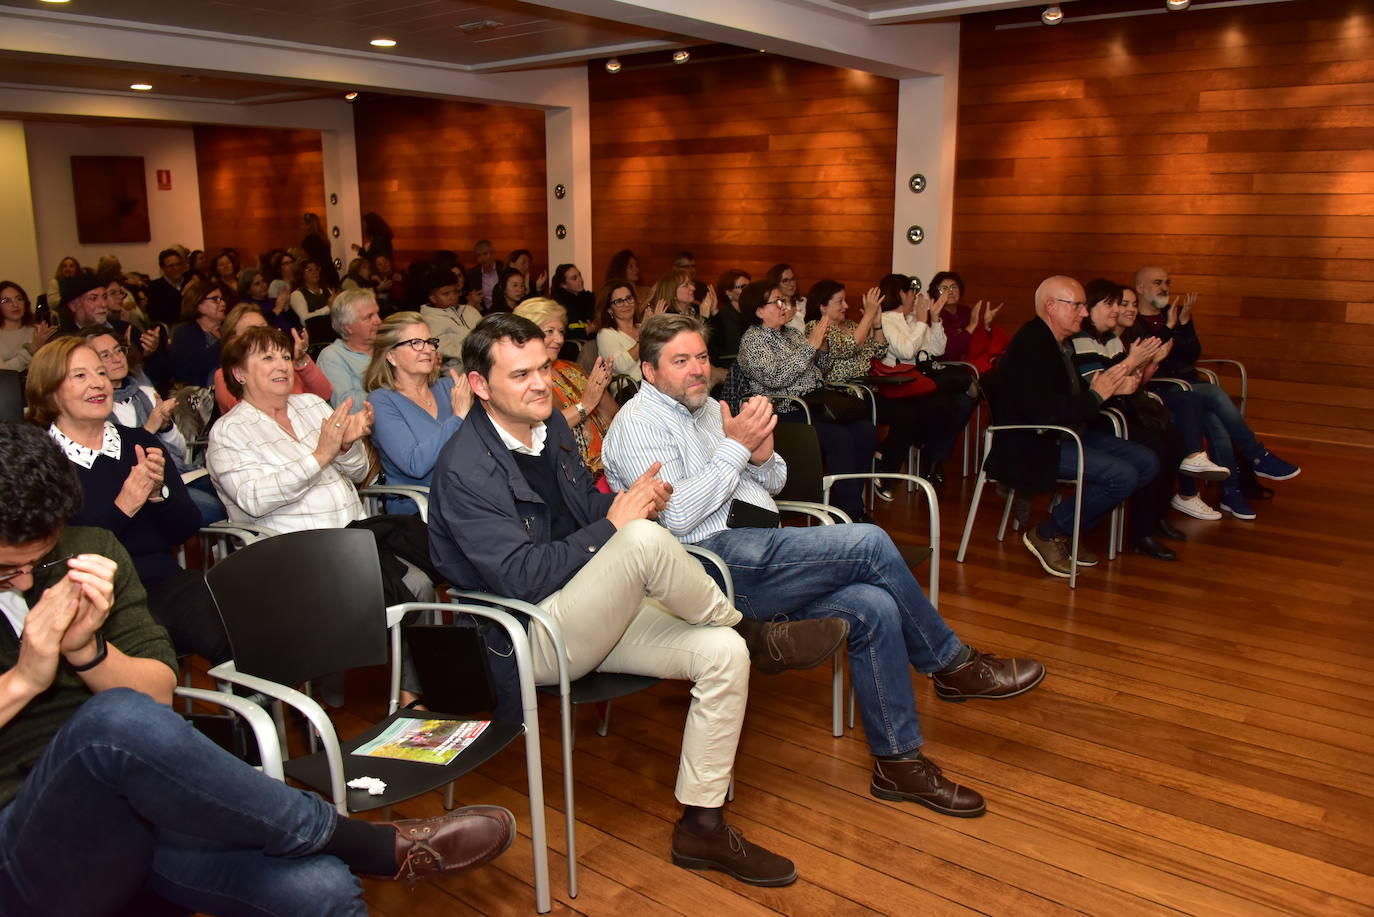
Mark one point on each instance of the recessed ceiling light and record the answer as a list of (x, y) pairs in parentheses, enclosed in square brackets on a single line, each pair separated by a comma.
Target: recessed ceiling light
[(1177, 4), (56, 1), (141, 87), (1053, 15), (350, 96), (680, 57), (613, 65), (383, 42)]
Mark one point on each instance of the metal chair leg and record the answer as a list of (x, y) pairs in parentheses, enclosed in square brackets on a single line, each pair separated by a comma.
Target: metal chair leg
[(837, 693), (972, 512)]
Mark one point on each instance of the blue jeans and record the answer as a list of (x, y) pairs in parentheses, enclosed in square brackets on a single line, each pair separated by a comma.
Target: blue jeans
[(128, 795), (853, 572), (1227, 432), (1113, 469)]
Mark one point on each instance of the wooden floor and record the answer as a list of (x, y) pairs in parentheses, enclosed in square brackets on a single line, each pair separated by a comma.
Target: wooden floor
[(1202, 744)]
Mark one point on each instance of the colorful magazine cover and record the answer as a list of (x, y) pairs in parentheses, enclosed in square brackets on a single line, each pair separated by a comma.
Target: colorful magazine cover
[(426, 741)]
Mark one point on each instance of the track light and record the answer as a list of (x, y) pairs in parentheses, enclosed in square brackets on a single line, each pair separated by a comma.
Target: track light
[(1177, 5), (613, 65), (680, 57), (1053, 15)]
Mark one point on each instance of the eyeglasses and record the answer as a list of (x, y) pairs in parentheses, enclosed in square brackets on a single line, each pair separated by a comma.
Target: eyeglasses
[(13, 301), (1076, 303), (12, 572), (780, 301), (214, 297), (740, 286), (122, 350), (624, 300), (418, 344), (947, 288)]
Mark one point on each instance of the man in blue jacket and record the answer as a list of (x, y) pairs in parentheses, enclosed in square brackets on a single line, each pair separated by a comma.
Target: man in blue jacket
[(514, 511)]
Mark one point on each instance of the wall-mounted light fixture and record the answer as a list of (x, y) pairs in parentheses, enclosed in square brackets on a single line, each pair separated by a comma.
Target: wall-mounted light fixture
[(560, 231), (915, 235), (560, 192), (917, 183), (1053, 15)]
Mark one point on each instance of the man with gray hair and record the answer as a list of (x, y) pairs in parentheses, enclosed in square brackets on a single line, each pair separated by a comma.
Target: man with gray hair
[(355, 317)]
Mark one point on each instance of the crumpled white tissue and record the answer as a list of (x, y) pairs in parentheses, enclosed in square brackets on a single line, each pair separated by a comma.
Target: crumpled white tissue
[(374, 786)]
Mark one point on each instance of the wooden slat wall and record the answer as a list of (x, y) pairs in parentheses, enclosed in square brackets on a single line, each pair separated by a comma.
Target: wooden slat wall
[(1232, 147), (255, 183), (445, 174), (746, 162)]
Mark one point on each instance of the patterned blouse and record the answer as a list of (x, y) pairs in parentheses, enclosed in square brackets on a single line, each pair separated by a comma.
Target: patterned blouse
[(847, 359), (781, 362), (569, 382)]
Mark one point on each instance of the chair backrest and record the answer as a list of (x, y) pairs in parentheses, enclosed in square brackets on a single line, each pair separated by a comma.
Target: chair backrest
[(303, 604), (800, 448), (587, 356), (11, 395)]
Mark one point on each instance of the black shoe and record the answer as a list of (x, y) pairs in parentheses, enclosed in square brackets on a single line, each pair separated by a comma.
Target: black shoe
[(1167, 530), (936, 475), (1151, 547)]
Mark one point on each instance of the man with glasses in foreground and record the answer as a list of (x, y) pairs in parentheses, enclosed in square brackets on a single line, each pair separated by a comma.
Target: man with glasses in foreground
[(106, 793), (1038, 384)]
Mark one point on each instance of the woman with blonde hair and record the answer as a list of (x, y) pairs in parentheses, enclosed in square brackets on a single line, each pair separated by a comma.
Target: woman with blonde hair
[(580, 397), (417, 406)]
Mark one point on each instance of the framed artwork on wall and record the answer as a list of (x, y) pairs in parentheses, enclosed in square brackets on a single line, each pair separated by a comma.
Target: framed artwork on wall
[(111, 194)]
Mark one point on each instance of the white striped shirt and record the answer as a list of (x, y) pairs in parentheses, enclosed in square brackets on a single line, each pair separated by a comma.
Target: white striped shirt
[(264, 476), (706, 469)]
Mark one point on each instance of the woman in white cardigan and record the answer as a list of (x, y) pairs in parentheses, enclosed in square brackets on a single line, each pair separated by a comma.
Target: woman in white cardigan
[(911, 324)]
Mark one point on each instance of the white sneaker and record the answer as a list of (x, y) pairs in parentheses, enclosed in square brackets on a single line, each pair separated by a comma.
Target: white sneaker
[(1198, 465), (1194, 506)]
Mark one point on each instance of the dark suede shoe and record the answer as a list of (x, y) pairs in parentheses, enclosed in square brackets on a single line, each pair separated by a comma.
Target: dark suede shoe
[(987, 676), (727, 850), (920, 780), (1151, 546), (776, 646), (463, 839), (1166, 530)]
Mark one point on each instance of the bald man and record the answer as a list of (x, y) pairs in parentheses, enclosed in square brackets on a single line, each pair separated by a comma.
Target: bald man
[(1039, 385)]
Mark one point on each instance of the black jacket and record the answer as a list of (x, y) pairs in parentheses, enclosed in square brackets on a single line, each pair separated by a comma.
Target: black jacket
[(1035, 386)]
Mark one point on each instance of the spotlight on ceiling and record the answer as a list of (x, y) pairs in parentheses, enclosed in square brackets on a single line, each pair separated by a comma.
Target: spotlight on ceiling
[(383, 42), (613, 65), (141, 87), (1177, 4), (350, 96), (1053, 15), (681, 57)]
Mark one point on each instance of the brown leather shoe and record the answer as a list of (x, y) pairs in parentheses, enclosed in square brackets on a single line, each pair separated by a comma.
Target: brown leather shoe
[(463, 839), (988, 676), (776, 646), (920, 780), (727, 850)]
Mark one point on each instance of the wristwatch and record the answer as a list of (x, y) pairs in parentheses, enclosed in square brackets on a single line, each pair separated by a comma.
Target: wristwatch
[(161, 495), (581, 412), (101, 651)]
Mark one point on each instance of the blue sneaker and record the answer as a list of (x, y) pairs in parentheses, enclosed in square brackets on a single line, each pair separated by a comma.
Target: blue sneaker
[(1233, 503), (1268, 465)]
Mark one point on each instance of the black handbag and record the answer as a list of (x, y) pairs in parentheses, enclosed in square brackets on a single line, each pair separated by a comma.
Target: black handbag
[(947, 378), (830, 406)]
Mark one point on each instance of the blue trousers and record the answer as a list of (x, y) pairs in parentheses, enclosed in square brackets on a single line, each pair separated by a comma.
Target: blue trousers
[(128, 795), (854, 572), (1113, 469), (1228, 435)]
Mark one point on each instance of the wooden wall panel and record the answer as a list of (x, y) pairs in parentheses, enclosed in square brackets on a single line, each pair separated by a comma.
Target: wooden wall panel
[(255, 183), (1231, 146), (745, 161), (445, 174)]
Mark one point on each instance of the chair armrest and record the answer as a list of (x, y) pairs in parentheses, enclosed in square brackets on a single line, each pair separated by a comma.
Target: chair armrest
[(264, 730), (1244, 376), (932, 513), (969, 366), (313, 713), (1170, 380), (715, 560), (824, 513), (805, 408), (416, 492), (862, 392), (235, 528), (1120, 428)]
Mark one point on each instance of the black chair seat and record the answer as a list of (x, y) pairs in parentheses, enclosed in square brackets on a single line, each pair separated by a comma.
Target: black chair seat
[(913, 554), (599, 687), (404, 779)]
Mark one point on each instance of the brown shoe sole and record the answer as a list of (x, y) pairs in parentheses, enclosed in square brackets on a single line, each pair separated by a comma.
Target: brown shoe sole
[(892, 796), (696, 863)]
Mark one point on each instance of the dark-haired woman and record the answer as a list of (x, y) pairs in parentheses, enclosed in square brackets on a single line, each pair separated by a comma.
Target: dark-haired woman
[(509, 291), (914, 330), (728, 324), (970, 335), (777, 359), (195, 343), (570, 291)]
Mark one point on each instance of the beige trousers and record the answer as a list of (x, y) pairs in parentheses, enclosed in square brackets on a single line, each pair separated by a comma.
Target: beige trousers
[(644, 606)]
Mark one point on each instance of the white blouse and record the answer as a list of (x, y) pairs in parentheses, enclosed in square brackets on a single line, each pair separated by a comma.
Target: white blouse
[(907, 337)]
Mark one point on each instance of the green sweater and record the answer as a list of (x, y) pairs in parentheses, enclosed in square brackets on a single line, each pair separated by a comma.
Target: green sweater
[(129, 627)]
